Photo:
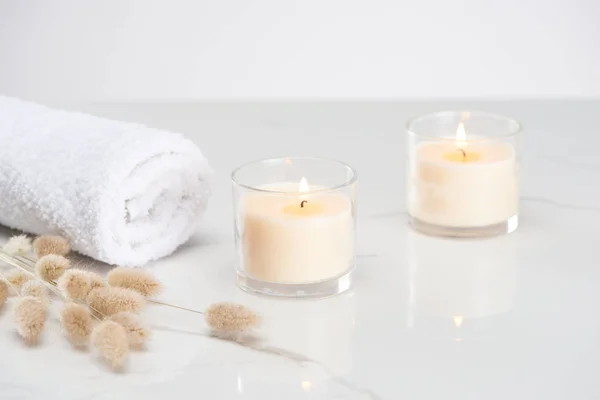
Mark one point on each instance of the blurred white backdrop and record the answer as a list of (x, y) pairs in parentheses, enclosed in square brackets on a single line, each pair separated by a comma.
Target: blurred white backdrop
[(299, 49)]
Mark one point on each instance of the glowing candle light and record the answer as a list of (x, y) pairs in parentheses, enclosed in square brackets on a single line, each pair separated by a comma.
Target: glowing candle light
[(467, 182), (301, 236)]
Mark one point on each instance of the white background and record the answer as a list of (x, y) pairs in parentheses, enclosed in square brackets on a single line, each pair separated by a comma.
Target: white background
[(304, 49)]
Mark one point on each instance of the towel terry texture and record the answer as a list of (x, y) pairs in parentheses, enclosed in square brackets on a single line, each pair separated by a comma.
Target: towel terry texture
[(122, 193)]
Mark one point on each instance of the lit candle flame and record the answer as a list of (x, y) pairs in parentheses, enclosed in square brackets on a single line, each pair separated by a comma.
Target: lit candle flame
[(458, 320), (303, 187), (461, 135)]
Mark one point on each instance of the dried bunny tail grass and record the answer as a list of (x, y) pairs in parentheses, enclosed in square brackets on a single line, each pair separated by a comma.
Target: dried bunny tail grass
[(19, 245), (51, 267), (96, 280), (16, 279), (44, 245), (137, 333), (75, 284), (134, 279), (111, 340), (111, 300), (36, 289), (4, 292), (77, 322), (230, 318), (30, 317)]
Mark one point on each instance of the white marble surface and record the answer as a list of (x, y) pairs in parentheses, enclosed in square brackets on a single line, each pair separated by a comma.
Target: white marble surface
[(527, 322)]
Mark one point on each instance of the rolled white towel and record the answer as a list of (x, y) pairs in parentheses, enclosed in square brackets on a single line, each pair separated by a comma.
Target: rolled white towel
[(121, 192)]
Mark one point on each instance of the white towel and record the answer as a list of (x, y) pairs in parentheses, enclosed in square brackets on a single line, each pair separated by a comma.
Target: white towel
[(122, 193)]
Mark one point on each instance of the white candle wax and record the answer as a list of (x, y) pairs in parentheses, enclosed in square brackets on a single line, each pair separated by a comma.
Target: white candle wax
[(459, 184), (287, 241)]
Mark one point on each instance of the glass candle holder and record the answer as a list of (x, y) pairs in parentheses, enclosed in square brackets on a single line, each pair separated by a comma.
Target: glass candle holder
[(463, 174), (295, 226)]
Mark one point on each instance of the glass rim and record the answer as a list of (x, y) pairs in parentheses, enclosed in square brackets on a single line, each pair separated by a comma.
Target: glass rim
[(353, 177), (518, 127)]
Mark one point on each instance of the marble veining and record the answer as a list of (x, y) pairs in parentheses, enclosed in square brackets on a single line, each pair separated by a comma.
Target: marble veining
[(511, 317), (560, 205)]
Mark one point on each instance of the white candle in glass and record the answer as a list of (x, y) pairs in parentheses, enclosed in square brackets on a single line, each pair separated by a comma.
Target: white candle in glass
[(463, 183), (296, 239)]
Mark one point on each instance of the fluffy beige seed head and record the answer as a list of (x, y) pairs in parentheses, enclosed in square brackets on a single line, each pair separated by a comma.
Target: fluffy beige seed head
[(44, 245), (111, 300), (111, 341), (17, 279), (137, 333), (136, 279), (4, 292), (35, 289), (18, 245), (75, 284), (96, 280), (51, 267), (30, 317), (230, 318), (77, 323)]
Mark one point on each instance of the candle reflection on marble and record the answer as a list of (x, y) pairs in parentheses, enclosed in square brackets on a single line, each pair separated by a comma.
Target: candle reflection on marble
[(461, 280), (314, 340), (322, 332)]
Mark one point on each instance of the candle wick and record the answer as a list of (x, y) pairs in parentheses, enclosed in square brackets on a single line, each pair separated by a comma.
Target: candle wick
[(463, 153), (302, 203)]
